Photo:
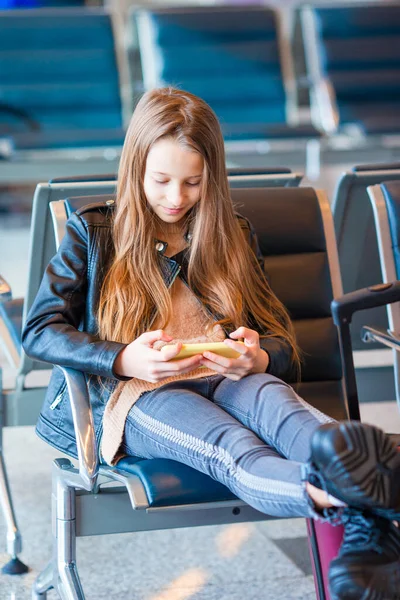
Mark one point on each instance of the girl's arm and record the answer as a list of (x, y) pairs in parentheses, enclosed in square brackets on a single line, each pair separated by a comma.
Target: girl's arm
[(279, 351), (51, 331), (280, 358)]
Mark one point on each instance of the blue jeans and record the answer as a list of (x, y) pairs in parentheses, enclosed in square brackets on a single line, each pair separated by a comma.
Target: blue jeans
[(251, 435)]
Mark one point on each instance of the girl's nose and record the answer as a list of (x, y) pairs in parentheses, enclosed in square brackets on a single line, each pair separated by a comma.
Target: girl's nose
[(175, 196)]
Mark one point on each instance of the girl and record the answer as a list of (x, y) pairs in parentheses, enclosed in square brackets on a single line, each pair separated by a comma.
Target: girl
[(171, 262)]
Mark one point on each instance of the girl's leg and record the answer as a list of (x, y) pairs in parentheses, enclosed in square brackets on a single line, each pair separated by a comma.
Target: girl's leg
[(180, 422), (355, 463), (273, 410), (368, 562)]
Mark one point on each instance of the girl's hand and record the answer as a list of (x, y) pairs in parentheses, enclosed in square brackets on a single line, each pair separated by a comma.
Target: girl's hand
[(139, 359), (252, 360)]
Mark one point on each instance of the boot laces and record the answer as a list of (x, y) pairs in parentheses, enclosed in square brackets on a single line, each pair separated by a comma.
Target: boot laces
[(361, 531)]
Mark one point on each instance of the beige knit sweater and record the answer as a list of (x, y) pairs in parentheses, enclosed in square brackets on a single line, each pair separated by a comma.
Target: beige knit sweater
[(188, 324)]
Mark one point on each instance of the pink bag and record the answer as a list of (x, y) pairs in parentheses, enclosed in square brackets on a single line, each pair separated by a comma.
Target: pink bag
[(324, 541)]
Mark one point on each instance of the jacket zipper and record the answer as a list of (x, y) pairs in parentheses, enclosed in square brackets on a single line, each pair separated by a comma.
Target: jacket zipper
[(58, 398)]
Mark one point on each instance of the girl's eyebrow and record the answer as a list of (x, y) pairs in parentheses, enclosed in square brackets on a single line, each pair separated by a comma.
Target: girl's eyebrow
[(167, 175)]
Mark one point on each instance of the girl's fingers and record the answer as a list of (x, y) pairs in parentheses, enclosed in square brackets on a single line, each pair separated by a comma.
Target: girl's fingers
[(231, 368), (224, 370), (214, 366), (149, 337), (232, 364), (169, 351), (251, 337), (234, 377), (240, 332), (178, 366), (178, 369), (219, 360), (239, 347)]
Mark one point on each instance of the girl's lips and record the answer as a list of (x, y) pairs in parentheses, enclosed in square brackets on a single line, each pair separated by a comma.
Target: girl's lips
[(172, 211)]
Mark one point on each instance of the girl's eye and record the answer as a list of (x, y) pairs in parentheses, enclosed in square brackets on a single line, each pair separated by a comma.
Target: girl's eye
[(193, 184), (160, 181)]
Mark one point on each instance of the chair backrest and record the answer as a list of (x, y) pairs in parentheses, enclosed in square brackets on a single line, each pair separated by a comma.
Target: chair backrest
[(42, 244), (238, 177), (356, 238), (353, 59), (233, 57), (58, 70), (385, 201), (296, 237)]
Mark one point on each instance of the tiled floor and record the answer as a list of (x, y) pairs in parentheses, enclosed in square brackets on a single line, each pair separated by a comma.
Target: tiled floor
[(244, 561)]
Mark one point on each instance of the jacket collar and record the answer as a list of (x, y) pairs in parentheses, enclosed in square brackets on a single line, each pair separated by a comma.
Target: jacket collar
[(161, 246)]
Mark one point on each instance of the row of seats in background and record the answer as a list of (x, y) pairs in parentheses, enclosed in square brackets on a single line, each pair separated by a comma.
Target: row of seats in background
[(69, 79), (295, 229)]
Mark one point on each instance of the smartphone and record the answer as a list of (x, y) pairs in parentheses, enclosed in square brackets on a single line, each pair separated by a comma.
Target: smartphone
[(216, 347)]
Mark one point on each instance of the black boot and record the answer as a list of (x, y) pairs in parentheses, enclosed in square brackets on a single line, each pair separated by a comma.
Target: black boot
[(358, 464), (368, 564)]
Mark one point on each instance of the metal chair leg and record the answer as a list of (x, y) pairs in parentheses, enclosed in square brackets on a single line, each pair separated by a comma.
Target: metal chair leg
[(14, 541), (43, 583), (68, 583), (70, 588), (62, 573)]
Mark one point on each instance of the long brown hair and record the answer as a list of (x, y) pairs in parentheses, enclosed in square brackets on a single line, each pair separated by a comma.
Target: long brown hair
[(223, 271)]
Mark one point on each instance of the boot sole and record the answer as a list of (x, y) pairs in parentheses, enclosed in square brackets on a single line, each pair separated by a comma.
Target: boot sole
[(353, 589), (359, 463)]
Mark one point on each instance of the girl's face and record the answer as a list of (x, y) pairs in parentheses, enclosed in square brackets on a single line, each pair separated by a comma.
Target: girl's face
[(172, 179)]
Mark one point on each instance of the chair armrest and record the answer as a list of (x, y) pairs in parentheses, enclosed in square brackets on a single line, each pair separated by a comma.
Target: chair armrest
[(5, 290), (344, 307), (387, 338), (84, 426)]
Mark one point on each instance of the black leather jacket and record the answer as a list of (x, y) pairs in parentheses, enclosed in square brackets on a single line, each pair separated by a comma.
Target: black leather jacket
[(61, 327)]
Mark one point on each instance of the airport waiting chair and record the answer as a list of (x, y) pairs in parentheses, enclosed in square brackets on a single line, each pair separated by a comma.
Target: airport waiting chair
[(237, 59), (357, 246), (21, 405), (59, 80), (296, 236), (385, 200), (353, 64)]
